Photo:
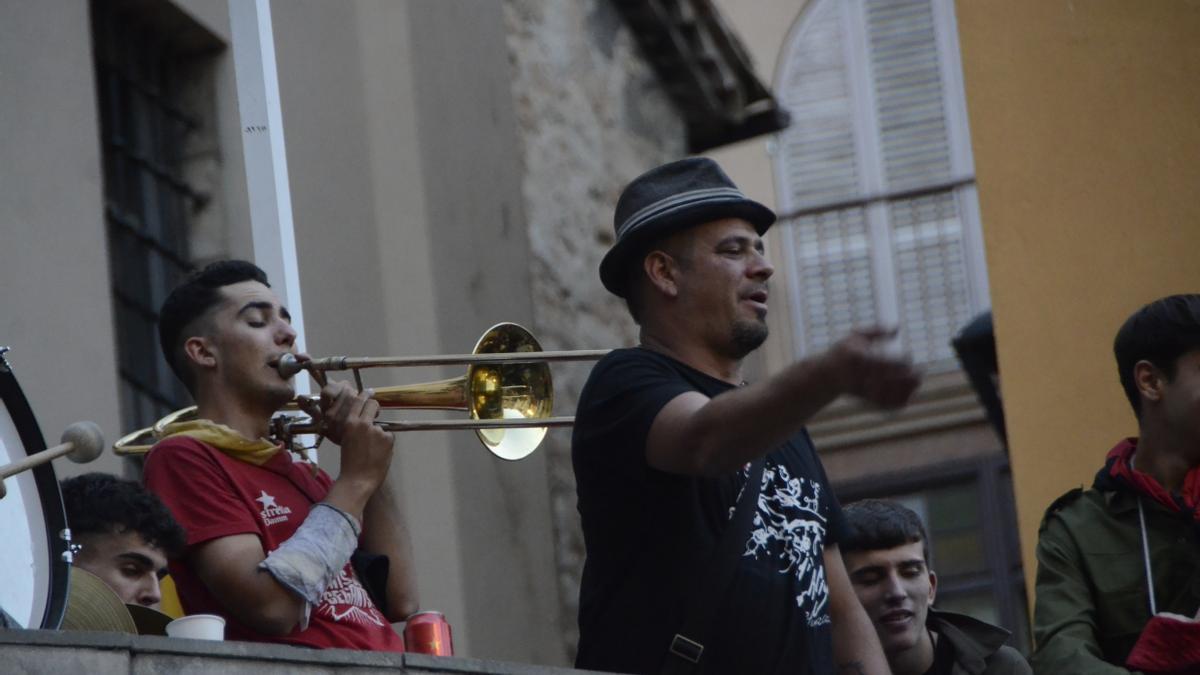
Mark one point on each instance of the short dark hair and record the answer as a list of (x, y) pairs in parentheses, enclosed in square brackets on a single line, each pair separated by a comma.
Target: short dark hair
[(635, 272), (880, 524), (191, 301), (101, 504), (1160, 333)]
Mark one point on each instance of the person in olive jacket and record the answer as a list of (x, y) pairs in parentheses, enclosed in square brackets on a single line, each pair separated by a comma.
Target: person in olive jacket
[(1118, 577)]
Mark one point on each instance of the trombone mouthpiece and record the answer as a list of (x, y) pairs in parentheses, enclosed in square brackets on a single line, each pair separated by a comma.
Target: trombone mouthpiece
[(288, 366)]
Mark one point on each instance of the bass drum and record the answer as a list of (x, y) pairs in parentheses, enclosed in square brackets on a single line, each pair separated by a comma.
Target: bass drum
[(33, 563)]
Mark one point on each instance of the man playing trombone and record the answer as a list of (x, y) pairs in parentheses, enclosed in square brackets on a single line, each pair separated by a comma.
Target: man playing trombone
[(269, 539), (710, 528)]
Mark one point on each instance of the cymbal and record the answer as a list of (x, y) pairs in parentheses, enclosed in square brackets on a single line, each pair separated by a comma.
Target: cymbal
[(92, 605), (149, 621)]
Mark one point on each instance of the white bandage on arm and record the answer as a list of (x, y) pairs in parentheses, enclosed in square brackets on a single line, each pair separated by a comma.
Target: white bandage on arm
[(314, 555)]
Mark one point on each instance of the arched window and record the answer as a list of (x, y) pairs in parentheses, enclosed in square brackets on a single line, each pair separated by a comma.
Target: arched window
[(875, 178)]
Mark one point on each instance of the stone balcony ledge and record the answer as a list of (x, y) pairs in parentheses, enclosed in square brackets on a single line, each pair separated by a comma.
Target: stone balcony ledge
[(48, 651)]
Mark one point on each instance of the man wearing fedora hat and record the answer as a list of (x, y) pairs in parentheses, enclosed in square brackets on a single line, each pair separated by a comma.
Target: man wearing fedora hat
[(710, 528)]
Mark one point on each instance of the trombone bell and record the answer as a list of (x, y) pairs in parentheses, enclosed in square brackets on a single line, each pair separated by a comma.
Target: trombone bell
[(490, 392), (506, 391)]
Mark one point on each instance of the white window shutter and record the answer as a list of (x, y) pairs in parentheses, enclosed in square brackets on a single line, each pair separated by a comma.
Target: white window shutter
[(834, 288), (931, 281), (914, 143), (930, 288), (818, 152), (910, 262)]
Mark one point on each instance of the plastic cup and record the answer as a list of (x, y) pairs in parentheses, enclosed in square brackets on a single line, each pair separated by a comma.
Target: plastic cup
[(198, 627)]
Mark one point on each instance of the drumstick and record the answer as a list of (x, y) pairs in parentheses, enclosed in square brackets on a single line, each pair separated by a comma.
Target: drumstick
[(81, 442)]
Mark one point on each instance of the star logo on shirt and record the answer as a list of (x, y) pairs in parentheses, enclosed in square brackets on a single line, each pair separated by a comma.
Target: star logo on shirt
[(272, 512), (267, 501)]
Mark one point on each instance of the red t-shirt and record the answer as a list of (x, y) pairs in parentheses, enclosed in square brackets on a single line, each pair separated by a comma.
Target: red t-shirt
[(213, 495)]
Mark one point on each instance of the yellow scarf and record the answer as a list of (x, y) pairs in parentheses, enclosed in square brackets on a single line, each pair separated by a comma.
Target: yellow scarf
[(226, 440)]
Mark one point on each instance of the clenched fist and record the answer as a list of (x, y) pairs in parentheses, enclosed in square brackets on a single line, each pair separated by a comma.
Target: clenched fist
[(862, 367)]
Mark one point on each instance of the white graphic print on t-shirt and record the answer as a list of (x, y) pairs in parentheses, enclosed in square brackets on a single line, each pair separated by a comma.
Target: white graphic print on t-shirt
[(272, 513), (346, 600), (789, 529)]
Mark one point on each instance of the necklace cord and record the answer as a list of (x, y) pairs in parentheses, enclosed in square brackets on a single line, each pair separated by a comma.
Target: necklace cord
[(1146, 557)]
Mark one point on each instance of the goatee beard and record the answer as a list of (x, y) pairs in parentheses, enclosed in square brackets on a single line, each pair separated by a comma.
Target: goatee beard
[(748, 336)]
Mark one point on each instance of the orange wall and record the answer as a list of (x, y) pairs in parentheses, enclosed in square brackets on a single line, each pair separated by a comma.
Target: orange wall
[(1085, 122)]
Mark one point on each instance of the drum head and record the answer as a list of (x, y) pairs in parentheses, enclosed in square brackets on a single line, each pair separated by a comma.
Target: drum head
[(31, 517)]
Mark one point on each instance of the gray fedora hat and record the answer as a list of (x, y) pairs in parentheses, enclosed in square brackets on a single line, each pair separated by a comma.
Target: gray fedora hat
[(667, 199)]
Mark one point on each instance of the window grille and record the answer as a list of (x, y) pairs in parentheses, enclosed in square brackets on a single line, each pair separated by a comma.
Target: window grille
[(147, 202)]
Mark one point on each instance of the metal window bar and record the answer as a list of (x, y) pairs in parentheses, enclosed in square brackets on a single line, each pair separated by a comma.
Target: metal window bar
[(147, 199), (867, 200)]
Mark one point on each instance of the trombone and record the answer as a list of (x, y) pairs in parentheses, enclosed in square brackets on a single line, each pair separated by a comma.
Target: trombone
[(507, 393)]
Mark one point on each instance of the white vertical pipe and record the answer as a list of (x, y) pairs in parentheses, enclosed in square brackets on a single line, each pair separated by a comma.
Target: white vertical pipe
[(270, 197), (272, 230)]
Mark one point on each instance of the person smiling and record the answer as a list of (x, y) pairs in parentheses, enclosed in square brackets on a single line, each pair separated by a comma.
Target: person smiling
[(270, 539), (887, 559), (710, 529)]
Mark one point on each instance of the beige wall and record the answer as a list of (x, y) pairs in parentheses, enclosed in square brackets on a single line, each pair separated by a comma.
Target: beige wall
[(481, 275), (1083, 119), (55, 306), (409, 223)]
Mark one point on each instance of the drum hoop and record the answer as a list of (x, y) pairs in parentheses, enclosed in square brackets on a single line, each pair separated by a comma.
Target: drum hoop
[(48, 493)]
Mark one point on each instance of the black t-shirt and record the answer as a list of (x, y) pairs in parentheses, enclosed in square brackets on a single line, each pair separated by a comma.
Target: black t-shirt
[(649, 535), (943, 658)]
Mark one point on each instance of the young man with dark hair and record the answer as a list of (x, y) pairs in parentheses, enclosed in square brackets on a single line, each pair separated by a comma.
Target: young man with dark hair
[(125, 534), (1118, 580), (887, 558), (710, 528), (270, 539)]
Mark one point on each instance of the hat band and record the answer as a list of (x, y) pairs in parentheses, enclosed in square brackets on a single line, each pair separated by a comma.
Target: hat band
[(674, 203)]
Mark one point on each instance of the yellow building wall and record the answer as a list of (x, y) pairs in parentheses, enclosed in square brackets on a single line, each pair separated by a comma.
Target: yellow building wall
[(1085, 122)]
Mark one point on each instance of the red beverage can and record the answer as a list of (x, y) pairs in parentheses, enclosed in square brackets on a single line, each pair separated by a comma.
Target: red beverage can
[(428, 633)]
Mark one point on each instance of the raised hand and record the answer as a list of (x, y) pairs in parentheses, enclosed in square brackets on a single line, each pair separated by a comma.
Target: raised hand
[(862, 366)]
